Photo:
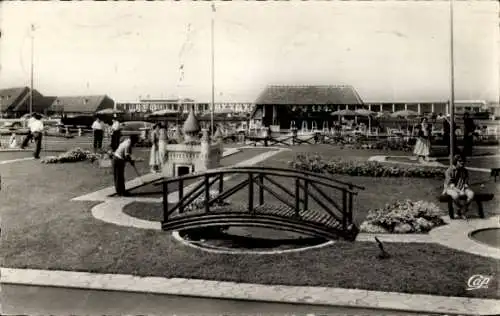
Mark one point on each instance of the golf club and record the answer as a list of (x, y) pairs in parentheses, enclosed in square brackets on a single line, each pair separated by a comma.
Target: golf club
[(138, 174)]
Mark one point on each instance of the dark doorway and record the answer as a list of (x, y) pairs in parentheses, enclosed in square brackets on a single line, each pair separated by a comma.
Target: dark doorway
[(182, 171)]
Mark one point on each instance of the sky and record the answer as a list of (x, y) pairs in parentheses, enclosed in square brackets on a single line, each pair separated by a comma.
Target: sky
[(387, 50)]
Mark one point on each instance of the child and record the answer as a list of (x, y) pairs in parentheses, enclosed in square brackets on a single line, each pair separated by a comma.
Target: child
[(13, 141)]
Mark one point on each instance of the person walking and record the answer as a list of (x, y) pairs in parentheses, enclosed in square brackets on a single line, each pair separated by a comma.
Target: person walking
[(469, 129), (29, 136), (121, 156), (162, 143), (116, 134), (98, 128), (36, 129), (456, 185), (423, 145), (154, 156)]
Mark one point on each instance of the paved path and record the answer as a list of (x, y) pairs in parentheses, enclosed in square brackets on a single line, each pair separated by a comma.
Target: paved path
[(37, 300), (253, 292), (433, 163), (4, 162)]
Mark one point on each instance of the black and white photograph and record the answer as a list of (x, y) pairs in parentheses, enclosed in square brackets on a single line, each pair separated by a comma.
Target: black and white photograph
[(250, 157)]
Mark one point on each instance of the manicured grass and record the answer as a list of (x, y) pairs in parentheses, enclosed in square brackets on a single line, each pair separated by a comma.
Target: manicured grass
[(43, 229), (89, 245)]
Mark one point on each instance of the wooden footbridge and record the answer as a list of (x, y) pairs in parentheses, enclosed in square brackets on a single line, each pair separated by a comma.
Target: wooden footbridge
[(284, 199)]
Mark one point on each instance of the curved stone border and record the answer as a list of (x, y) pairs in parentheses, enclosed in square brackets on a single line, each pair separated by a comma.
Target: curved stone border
[(482, 230), (424, 164), (111, 211), (183, 241), (456, 235)]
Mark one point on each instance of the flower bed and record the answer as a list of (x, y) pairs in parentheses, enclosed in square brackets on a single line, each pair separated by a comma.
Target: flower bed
[(403, 217), (73, 155), (315, 163), (362, 142), (199, 202)]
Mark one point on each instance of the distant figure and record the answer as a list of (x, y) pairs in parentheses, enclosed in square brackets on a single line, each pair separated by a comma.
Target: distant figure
[(154, 156), (447, 134), (116, 134), (423, 146), (98, 128), (456, 185), (36, 129), (28, 137), (13, 141), (162, 143), (120, 157), (469, 128)]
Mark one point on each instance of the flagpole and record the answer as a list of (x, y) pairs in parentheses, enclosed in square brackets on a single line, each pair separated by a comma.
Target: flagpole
[(32, 66), (452, 86), (213, 71)]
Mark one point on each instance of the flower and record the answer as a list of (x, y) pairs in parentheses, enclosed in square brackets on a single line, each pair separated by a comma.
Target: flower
[(367, 227), (403, 228), (315, 163), (405, 217)]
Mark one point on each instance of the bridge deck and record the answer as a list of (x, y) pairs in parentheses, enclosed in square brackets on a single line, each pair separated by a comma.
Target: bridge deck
[(281, 211)]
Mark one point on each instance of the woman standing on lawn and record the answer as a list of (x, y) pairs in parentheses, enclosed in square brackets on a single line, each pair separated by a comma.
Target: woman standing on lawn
[(154, 156), (423, 145), (162, 143)]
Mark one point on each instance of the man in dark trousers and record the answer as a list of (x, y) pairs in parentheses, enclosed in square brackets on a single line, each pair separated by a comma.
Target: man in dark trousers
[(29, 136), (115, 134), (36, 129), (120, 157), (469, 129), (98, 128)]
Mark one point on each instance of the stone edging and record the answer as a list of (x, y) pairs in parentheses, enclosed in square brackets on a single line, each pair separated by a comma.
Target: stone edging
[(254, 292), (186, 243), (383, 159)]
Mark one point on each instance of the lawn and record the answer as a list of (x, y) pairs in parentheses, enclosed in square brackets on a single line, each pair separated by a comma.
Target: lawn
[(43, 229)]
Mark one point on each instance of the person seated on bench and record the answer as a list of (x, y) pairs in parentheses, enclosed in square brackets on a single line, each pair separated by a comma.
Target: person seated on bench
[(456, 185)]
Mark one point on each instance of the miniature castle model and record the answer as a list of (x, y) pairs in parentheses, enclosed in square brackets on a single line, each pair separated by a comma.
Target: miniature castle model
[(193, 154)]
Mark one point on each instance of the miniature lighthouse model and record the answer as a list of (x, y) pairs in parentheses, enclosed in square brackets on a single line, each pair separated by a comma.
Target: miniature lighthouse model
[(193, 154)]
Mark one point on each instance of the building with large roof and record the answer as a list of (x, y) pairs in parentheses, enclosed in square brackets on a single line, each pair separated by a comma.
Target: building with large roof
[(15, 102), (284, 105), (87, 104)]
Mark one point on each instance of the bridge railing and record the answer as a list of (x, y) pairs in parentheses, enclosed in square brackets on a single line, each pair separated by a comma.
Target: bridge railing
[(299, 191)]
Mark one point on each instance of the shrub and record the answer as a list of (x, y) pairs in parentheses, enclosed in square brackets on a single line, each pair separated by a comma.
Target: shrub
[(315, 163), (403, 217), (73, 155)]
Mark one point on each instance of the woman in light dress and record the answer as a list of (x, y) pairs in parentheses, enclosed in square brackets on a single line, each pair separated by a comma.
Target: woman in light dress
[(13, 141), (423, 146), (154, 156), (162, 142)]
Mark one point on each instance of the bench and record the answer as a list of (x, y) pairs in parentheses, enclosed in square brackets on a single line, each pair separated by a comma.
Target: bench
[(479, 198)]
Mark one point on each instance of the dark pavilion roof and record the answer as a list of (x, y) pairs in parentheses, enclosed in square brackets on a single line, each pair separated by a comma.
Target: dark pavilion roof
[(304, 95), (88, 103)]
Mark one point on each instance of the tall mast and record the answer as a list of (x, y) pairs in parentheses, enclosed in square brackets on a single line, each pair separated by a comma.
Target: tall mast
[(32, 66), (213, 71), (452, 86)]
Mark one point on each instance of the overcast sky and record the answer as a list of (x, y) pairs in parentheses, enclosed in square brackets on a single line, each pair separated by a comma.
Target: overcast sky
[(389, 51)]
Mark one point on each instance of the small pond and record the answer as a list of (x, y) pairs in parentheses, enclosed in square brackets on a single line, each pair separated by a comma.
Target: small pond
[(488, 236)]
